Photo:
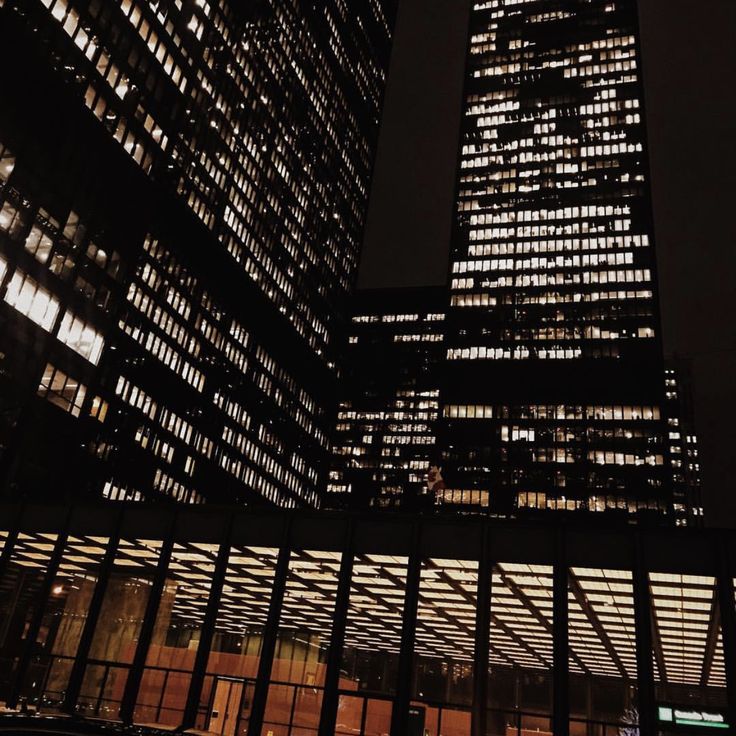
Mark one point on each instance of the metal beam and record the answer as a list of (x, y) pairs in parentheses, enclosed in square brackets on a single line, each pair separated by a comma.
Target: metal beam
[(481, 673), (207, 632), (270, 637), (560, 641), (644, 642), (330, 698)]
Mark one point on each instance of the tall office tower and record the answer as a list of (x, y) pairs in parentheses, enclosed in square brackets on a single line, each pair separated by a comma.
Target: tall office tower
[(389, 399), (183, 186), (554, 393)]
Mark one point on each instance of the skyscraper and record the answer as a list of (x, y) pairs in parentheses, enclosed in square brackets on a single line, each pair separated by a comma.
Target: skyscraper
[(389, 399), (182, 194), (554, 391)]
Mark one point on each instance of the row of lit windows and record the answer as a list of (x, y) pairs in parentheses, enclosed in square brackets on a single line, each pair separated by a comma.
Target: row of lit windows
[(560, 411)]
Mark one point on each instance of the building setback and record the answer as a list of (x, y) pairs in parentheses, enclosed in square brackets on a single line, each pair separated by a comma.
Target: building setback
[(555, 388), (182, 194)]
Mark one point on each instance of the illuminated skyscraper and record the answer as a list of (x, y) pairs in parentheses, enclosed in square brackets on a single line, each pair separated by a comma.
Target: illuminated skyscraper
[(554, 395), (385, 436), (182, 194)]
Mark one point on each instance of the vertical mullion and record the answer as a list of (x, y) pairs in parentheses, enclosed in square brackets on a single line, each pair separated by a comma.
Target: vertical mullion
[(34, 626), (11, 539), (328, 716), (207, 633), (135, 674), (726, 603), (643, 623), (400, 711), (74, 685), (482, 640), (561, 653), (270, 635)]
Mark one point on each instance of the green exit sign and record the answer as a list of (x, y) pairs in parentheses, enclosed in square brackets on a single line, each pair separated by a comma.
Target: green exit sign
[(691, 717)]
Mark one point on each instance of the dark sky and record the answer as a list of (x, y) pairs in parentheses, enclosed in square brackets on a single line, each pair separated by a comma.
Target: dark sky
[(689, 62)]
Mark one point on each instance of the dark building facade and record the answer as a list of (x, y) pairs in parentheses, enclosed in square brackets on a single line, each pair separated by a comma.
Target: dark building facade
[(272, 623), (183, 187), (385, 437), (555, 390)]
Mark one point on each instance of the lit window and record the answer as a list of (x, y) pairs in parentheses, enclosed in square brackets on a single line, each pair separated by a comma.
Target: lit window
[(81, 337), (32, 300)]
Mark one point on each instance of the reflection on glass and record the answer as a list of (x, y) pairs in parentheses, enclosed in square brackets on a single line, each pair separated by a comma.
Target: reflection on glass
[(170, 658), (687, 640), (234, 656), (373, 626), (520, 648), (116, 634), (19, 589), (602, 648), (444, 645), (64, 617), (303, 637)]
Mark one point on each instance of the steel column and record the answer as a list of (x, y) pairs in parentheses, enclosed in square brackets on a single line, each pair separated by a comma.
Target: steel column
[(561, 644), (330, 698), (643, 623), (482, 640), (135, 674), (207, 632), (270, 636), (74, 685)]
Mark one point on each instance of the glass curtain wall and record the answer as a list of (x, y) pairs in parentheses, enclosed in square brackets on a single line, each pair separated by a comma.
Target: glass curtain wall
[(118, 627), (176, 632), (295, 693), (372, 641), (689, 670), (64, 617), (442, 682), (602, 662), (232, 665), (521, 658), (19, 598)]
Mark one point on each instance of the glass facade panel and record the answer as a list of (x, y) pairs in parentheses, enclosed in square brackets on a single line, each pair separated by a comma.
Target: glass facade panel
[(64, 617), (235, 653), (118, 627), (520, 678), (373, 627), (298, 672), (176, 633), (687, 640), (603, 675), (19, 591), (443, 652)]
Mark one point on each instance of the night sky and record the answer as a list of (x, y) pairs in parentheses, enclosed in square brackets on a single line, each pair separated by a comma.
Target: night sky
[(689, 63)]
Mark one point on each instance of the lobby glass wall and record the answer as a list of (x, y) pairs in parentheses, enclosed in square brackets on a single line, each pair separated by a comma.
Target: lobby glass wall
[(19, 599), (602, 662), (170, 658), (155, 647), (442, 683), (64, 617), (688, 642), (118, 627), (297, 677), (521, 650), (232, 665), (372, 644)]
